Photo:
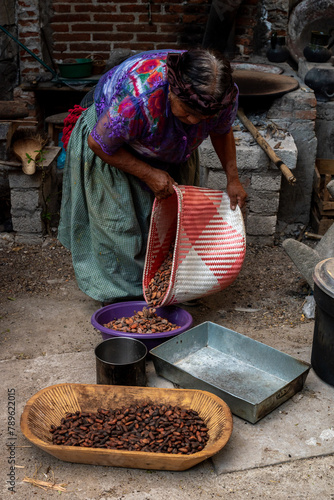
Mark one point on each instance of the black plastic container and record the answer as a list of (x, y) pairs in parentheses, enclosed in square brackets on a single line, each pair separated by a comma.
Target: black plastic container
[(121, 361), (322, 358)]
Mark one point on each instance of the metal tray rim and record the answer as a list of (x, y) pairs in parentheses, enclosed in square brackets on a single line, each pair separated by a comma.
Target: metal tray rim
[(253, 341)]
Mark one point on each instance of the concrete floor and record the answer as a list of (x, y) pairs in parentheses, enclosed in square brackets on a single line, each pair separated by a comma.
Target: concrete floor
[(47, 341)]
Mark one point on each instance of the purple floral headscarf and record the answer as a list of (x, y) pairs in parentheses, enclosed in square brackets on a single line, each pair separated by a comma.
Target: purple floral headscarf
[(205, 104)]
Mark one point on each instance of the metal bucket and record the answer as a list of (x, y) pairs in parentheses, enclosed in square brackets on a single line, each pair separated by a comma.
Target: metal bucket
[(322, 358), (121, 361)]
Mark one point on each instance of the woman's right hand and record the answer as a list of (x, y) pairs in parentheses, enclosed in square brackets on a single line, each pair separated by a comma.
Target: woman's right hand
[(161, 183)]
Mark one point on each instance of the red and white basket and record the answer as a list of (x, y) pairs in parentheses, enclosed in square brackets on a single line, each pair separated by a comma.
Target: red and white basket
[(209, 243)]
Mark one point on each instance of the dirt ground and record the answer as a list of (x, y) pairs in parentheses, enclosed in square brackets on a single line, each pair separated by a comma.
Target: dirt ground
[(267, 297), (265, 303), (269, 291)]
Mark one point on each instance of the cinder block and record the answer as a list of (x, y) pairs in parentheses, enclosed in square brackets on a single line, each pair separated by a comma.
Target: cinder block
[(263, 203), (286, 151), (4, 129), (261, 240), (29, 238), (207, 156), (249, 158), (19, 180), (252, 158), (28, 223), (24, 201), (258, 225), (215, 179), (4, 184), (266, 182)]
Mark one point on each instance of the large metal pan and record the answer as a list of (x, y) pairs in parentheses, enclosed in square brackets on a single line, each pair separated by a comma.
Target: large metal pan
[(257, 84)]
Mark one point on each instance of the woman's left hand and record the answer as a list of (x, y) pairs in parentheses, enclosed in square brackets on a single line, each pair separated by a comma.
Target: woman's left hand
[(236, 193)]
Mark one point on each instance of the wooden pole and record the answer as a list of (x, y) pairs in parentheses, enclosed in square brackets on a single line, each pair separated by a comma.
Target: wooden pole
[(265, 146)]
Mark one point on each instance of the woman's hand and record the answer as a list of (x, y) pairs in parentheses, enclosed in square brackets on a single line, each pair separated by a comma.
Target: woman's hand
[(236, 193), (161, 183)]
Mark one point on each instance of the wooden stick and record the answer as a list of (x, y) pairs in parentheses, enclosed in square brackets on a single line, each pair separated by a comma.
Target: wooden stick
[(10, 163), (313, 236), (21, 122), (265, 146), (44, 484)]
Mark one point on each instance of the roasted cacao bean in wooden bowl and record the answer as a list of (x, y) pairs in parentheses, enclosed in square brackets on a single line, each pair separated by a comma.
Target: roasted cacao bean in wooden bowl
[(46, 409), (173, 314)]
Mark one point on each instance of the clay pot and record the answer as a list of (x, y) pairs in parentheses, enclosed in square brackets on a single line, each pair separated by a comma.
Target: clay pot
[(318, 50), (278, 52), (321, 80)]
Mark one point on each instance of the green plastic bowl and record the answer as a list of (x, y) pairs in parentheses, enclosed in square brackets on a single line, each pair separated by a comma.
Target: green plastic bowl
[(78, 69)]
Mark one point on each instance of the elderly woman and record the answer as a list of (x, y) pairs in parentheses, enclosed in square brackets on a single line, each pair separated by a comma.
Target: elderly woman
[(138, 138)]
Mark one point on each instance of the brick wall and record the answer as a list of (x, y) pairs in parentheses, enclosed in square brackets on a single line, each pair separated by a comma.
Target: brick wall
[(246, 22), (29, 35), (81, 27), (255, 22)]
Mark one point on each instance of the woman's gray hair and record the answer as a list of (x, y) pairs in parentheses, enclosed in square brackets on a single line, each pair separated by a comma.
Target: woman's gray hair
[(207, 72)]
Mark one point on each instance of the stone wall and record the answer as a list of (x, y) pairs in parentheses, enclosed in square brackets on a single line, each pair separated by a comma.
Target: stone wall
[(79, 28), (35, 199), (325, 129), (296, 113), (259, 176)]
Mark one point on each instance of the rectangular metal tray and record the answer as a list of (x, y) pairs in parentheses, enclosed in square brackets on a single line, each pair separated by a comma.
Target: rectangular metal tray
[(251, 377)]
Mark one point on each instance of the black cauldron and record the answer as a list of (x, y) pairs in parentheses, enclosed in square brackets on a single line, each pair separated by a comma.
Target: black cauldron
[(322, 358)]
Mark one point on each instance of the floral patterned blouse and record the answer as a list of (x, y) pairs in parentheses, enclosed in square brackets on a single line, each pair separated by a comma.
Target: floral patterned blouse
[(134, 112)]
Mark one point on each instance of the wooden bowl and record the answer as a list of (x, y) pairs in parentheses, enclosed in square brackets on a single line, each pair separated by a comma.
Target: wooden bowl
[(51, 404)]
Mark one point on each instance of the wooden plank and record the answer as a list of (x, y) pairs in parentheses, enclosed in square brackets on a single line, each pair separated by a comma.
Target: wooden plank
[(50, 154), (320, 225), (316, 180), (13, 109), (20, 122), (324, 207), (10, 163), (325, 166), (327, 206)]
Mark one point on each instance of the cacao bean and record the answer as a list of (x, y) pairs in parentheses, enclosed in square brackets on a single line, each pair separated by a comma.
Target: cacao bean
[(153, 428)]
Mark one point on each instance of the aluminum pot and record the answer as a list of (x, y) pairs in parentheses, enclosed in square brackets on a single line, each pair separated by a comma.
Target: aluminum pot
[(121, 361)]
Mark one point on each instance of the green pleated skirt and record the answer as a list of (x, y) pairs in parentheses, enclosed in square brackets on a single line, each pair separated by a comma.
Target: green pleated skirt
[(105, 218)]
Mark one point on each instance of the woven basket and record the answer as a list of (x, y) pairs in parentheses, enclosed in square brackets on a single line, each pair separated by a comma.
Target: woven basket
[(209, 243), (50, 405)]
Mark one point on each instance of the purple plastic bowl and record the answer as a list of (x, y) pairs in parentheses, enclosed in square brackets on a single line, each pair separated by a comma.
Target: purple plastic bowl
[(174, 314)]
